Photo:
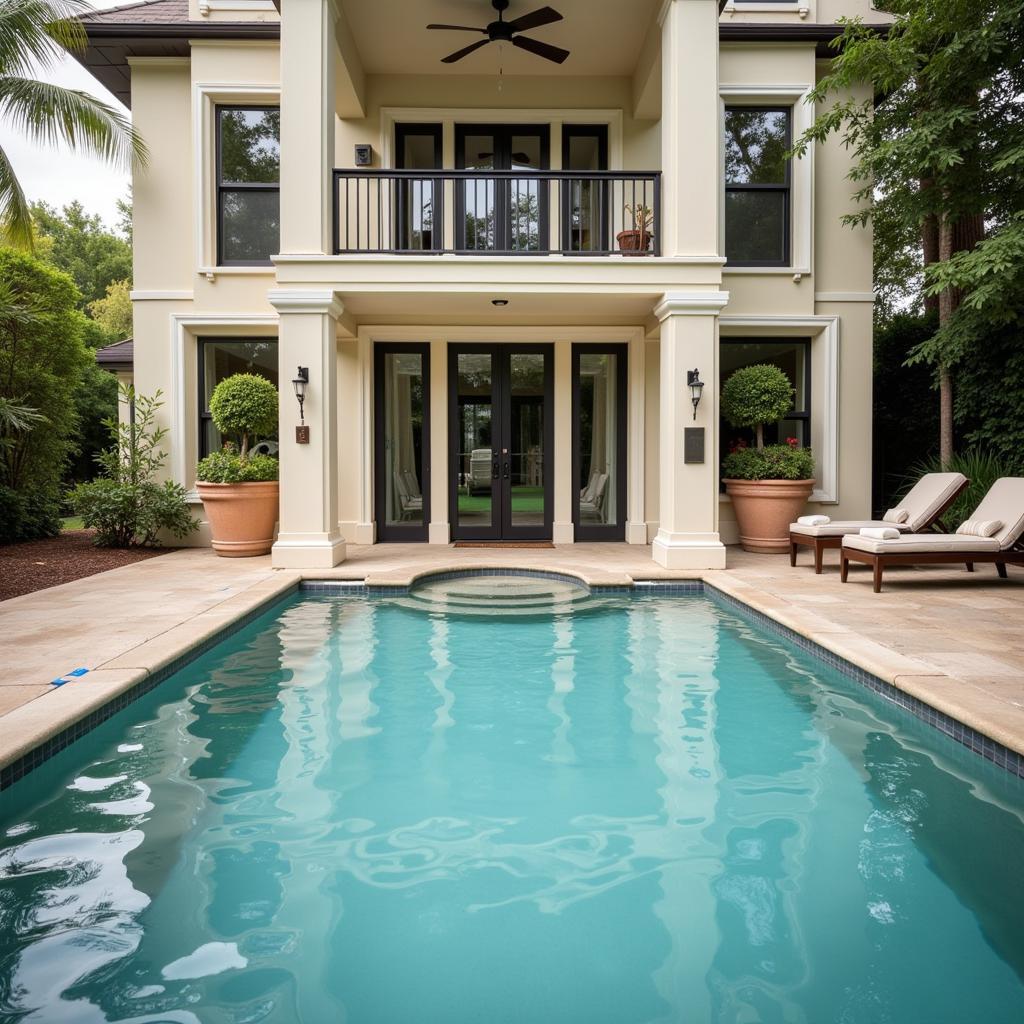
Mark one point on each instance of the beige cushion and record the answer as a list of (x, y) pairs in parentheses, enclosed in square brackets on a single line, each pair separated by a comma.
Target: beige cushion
[(1004, 501), (926, 498), (922, 544), (896, 516), (980, 527), (841, 527)]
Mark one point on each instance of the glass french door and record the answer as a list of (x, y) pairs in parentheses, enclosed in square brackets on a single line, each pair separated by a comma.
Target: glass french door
[(501, 441), (502, 214)]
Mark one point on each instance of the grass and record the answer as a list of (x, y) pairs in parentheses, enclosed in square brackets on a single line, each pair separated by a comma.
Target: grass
[(524, 499), (72, 523)]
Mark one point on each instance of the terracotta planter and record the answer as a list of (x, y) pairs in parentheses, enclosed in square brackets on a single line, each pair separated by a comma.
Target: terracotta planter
[(242, 516), (764, 510), (634, 241)]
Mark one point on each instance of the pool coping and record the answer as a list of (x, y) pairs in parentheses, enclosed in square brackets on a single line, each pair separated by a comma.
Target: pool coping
[(33, 733)]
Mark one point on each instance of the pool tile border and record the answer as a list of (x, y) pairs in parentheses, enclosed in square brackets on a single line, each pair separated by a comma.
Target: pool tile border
[(965, 735)]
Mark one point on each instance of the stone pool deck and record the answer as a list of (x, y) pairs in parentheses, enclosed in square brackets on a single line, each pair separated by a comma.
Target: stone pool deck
[(951, 639)]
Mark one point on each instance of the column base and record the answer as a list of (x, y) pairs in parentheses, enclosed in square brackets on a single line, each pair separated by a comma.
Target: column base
[(439, 533), (688, 551), (636, 533), (307, 552), (359, 533), (563, 533)]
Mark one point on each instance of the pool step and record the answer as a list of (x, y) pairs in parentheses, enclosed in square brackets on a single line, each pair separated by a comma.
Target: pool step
[(491, 595)]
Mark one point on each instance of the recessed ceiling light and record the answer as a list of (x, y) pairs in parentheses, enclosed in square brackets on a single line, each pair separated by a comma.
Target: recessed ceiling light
[(499, 302)]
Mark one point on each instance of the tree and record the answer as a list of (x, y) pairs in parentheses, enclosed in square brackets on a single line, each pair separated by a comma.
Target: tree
[(939, 149), (114, 311), (37, 34)]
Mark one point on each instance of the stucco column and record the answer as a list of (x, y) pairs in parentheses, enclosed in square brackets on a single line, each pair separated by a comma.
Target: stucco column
[(439, 530), (307, 125), (308, 533), (690, 128), (688, 528), (563, 530)]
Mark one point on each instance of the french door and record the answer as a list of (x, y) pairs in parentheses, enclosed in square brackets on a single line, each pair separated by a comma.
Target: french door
[(501, 441)]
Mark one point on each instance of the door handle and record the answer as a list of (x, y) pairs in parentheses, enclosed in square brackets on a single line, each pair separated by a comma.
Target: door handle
[(506, 471), (494, 469)]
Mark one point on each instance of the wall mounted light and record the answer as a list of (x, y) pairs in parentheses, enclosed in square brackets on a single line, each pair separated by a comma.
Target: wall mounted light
[(696, 386), (499, 302), (300, 383)]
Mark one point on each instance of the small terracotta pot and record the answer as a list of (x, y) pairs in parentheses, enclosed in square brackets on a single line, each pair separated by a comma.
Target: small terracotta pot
[(764, 510), (634, 241), (242, 516)]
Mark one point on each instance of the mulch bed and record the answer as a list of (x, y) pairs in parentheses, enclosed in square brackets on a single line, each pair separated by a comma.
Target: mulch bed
[(38, 564)]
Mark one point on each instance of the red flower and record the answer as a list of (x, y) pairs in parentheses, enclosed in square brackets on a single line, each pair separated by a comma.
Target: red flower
[(792, 442)]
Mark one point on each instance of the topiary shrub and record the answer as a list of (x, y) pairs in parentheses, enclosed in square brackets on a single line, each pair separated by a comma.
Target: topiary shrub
[(244, 406), (228, 467), (756, 395)]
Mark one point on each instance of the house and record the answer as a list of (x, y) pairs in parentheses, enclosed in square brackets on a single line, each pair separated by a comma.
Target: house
[(499, 267)]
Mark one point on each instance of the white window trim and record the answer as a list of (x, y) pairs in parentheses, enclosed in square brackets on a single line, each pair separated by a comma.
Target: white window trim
[(206, 96), (824, 334), (801, 8), (206, 7), (801, 254)]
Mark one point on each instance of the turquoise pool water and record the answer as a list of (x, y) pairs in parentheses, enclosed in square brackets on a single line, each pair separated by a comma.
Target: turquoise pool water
[(434, 809)]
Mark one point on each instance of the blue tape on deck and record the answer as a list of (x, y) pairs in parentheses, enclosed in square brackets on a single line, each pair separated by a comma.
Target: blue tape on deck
[(68, 677), (78, 672)]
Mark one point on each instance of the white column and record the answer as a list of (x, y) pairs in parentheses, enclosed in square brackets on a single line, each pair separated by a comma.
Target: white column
[(307, 125), (439, 531), (688, 528), (690, 128), (636, 523), (563, 530), (308, 535)]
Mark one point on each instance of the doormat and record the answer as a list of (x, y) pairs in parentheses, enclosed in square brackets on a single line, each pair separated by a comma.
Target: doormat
[(503, 544)]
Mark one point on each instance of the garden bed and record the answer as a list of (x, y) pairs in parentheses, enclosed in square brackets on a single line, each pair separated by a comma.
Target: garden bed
[(38, 564)]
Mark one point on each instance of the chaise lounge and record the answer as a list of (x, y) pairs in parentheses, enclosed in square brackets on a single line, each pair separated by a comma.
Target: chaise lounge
[(992, 534), (924, 505)]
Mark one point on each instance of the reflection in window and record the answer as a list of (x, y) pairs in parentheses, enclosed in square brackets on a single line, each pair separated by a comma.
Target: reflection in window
[(757, 186), (793, 357), (598, 432), (248, 190), (222, 358), (404, 403)]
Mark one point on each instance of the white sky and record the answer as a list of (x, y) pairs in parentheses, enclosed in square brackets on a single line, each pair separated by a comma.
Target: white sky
[(56, 175)]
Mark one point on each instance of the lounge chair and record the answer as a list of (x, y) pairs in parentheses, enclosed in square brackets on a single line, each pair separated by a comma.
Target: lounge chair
[(924, 504), (1000, 515)]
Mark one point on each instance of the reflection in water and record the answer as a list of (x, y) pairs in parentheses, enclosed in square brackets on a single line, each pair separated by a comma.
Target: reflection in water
[(632, 811)]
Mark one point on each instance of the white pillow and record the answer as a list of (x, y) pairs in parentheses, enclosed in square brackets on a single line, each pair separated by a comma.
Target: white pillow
[(980, 528), (896, 515)]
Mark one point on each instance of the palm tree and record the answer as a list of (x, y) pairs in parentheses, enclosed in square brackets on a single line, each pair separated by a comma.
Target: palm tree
[(37, 34)]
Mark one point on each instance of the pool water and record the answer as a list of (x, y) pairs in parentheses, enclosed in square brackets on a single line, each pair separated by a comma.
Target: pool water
[(543, 808)]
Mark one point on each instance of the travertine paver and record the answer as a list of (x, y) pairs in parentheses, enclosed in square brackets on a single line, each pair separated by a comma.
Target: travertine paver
[(954, 639)]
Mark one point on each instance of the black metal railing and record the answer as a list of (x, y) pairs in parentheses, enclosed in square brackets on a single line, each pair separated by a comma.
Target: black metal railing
[(497, 213)]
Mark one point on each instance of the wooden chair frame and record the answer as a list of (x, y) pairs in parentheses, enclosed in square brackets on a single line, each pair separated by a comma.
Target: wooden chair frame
[(878, 562)]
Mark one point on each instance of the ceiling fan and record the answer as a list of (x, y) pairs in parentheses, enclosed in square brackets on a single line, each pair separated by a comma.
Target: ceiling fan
[(502, 31)]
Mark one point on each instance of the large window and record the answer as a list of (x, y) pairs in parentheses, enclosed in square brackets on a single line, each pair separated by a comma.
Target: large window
[(757, 186), (793, 357), (248, 189), (224, 357)]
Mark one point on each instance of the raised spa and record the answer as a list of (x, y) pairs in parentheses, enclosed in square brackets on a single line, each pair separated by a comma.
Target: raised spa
[(503, 800)]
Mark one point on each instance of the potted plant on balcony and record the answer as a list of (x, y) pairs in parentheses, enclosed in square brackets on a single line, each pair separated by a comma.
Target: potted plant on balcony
[(638, 238), (768, 484), (239, 488)]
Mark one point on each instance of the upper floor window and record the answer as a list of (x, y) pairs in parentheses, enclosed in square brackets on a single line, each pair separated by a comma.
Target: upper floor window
[(757, 186), (248, 189)]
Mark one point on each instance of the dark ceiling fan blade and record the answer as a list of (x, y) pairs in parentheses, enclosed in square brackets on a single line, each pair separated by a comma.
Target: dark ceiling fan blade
[(457, 28), (553, 53), (459, 54), (544, 16)]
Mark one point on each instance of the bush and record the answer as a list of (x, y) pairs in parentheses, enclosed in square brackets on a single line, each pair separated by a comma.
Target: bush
[(28, 516), (773, 462), (756, 395), (126, 506), (982, 468), (228, 467), (244, 406)]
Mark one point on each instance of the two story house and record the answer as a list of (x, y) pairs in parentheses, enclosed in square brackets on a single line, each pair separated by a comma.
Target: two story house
[(502, 243)]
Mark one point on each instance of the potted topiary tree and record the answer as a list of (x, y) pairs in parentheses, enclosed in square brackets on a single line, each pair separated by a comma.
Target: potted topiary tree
[(239, 488), (768, 484)]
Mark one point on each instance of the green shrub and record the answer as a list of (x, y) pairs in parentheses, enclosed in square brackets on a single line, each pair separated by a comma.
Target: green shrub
[(773, 462), (228, 467), (244, 406), (982, 468), (30, 515), (756, 395), (125, 505)]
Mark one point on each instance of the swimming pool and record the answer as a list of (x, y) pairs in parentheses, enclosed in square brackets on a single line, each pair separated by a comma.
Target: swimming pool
[(555, 807)]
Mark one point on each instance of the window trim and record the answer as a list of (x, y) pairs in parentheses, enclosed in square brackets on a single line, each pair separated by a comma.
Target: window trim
[(786, 188)]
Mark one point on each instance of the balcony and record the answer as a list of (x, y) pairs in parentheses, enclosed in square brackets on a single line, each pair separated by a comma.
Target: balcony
[(497, 213)]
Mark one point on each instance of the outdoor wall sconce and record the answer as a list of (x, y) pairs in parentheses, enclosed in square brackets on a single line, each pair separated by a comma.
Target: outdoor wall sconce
[(696, 388), (299, 383)]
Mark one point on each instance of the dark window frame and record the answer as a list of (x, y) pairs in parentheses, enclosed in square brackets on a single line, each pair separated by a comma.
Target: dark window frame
[(786, 189), (245, 186), (405, 190), (205, 416), (388, 533), (613, 531), (586, 131)]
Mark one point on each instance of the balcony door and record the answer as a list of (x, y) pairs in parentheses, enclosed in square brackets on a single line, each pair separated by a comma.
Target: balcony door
[(500, 443), (502, 213)]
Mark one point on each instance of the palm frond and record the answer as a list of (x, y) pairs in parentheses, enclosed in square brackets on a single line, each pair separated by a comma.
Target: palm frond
[(51, 114), (39, 31), (15, 215), (16, 418)]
